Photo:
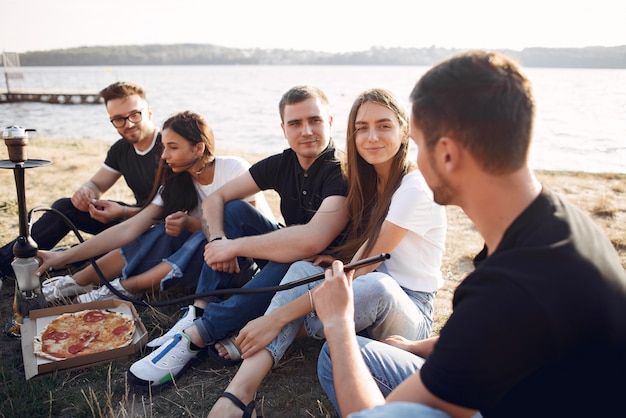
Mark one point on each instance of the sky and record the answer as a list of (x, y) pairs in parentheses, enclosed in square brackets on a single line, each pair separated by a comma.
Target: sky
[(319, 25)]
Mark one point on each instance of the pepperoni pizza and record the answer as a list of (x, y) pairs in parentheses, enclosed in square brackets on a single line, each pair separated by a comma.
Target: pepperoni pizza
[(85, 332)]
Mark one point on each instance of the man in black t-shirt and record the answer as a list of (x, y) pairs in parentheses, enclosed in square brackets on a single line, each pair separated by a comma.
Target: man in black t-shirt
[(135, 157), (539, 328), (312, 191)]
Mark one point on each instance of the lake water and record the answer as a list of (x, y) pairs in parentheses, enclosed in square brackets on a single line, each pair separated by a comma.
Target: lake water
[(580, 124)]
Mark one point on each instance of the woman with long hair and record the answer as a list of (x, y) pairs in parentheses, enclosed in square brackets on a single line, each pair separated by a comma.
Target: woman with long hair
[(162, 245), (392, 211)]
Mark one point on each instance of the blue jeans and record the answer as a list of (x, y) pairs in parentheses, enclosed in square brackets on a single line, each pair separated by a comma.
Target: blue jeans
[(388, 365), (50, 228), (186, 263), (182, 252), (381, 307), (225, 317), (401, 410)]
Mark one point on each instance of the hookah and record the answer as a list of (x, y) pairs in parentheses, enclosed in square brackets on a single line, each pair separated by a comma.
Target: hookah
[(28, 294)]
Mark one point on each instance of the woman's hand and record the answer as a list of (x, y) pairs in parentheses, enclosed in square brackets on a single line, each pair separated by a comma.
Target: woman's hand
[(176, 223), (48, 259), (257, 334)]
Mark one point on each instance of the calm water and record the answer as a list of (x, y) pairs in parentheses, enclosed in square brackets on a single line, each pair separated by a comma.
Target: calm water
[(580, 126)]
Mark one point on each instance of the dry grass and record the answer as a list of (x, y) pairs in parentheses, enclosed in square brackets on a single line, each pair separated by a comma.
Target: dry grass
[(291, 390)]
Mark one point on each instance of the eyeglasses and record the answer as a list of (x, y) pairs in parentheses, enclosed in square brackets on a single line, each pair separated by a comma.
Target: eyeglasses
[(134, 117)]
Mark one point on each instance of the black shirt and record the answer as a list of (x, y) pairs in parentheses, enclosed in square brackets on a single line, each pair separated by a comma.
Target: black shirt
[(138, 170), (301, 191), (539, 328)]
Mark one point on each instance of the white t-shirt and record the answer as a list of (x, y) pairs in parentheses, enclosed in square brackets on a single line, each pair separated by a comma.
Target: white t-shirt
[(226, 169), (415, 263)]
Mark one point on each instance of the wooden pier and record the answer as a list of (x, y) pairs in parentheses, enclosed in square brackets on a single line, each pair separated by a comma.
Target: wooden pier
[(50, 96), (13, 94)]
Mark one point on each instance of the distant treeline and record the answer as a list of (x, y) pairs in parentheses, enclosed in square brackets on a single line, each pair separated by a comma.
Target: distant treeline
[(203, 54)]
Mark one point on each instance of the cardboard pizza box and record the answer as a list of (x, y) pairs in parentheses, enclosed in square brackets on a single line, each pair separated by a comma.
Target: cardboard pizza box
[(39, 318)]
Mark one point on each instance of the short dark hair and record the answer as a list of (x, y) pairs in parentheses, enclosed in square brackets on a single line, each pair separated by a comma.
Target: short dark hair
[(482, 100), (299, 94), (120, 90)]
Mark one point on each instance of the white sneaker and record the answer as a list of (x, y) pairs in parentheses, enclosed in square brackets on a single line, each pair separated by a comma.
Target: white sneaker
[(62, 287), (183, 323), (164, 363), (103, 293)]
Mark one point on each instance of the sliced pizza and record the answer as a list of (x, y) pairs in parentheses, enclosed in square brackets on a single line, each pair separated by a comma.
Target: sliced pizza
[(85, 332)]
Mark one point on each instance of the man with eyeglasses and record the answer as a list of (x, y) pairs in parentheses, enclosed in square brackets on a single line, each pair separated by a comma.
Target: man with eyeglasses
[(135, 157)]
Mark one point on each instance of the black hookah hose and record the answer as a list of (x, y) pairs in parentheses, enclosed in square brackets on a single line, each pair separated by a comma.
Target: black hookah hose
[(230, 291)]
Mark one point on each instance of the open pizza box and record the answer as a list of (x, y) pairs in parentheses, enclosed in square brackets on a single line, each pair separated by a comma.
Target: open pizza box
[(39, 318)]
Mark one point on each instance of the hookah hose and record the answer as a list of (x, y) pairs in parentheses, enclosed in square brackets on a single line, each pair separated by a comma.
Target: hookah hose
[(231, 291)]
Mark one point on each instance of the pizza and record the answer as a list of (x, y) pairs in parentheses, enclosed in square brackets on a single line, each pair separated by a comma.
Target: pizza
[(85, 332)]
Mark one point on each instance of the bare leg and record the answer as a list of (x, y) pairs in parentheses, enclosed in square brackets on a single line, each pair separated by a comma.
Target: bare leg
[(193, 333), (200, 303), (148, 280), (111, 265), (244, 385)]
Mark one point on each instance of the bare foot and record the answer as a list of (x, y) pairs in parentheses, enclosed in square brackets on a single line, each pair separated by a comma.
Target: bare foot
[(221, 350), (227, 349)]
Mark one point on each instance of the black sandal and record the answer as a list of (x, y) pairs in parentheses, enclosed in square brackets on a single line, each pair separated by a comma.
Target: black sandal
[(247, 409)]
